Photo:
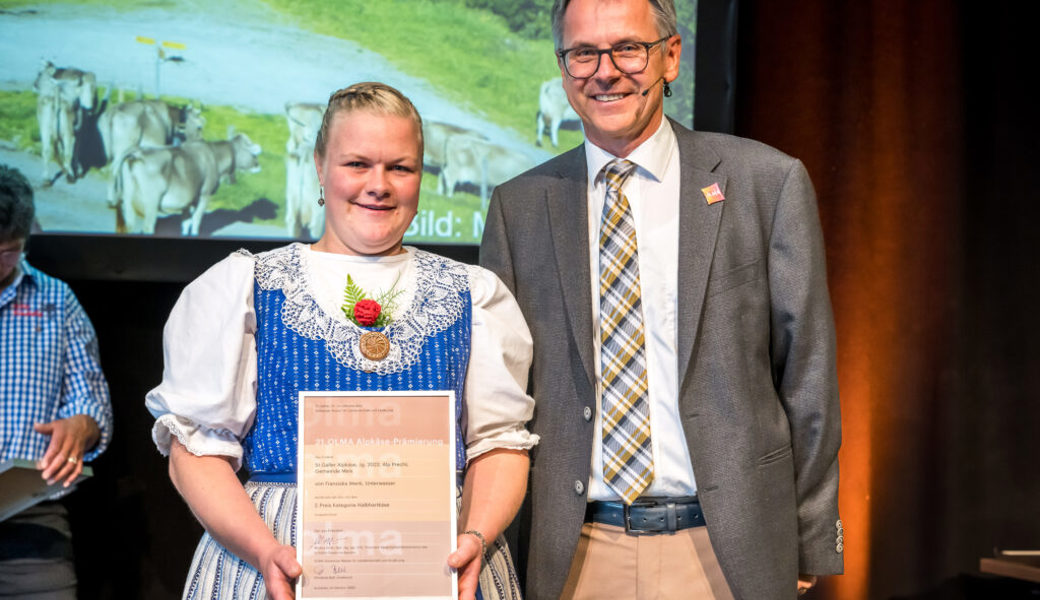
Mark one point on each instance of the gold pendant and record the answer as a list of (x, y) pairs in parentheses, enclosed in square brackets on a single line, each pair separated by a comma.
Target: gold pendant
[(374, 345)]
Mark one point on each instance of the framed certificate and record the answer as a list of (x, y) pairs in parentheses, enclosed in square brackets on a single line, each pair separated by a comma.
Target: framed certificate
[(376, 495)]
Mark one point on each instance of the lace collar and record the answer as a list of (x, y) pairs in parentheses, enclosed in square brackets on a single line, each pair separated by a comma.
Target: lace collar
[(436, 306)]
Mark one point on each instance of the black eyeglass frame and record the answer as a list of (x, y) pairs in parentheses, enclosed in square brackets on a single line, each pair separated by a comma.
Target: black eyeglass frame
[(562, 55)]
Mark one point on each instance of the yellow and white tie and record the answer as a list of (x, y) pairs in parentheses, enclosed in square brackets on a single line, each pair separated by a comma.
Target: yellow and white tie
[(628, 465)]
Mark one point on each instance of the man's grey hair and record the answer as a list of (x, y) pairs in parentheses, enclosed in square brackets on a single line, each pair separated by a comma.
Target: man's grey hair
[(664, 17), (16, 205)]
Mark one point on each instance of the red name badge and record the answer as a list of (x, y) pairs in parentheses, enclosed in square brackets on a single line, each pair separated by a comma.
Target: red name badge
[(25, 310)]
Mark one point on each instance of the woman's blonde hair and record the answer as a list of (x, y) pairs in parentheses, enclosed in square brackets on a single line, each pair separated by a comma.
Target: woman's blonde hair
[(369, 96)]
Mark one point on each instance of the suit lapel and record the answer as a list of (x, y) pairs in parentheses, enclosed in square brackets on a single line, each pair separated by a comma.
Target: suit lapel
[(698, 230), (568, 221), (698, 226)]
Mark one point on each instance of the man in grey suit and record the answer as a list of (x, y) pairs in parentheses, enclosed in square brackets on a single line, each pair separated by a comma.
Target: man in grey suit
[(684, 366)]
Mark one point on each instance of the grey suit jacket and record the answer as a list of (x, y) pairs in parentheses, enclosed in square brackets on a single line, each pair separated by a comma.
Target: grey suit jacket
[(758, 385)]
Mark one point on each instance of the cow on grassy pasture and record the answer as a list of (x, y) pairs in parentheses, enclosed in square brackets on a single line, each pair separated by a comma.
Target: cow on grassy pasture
[(553, 110), (177, 180), (64, 95), (479, 162), (435, 140), (145, 124), (302, 212), (304, 120)]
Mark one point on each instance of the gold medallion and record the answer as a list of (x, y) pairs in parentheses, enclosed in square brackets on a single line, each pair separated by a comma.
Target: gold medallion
[(374, 345)]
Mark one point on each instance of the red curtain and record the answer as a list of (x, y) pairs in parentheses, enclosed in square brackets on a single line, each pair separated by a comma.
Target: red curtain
[(911, 118)]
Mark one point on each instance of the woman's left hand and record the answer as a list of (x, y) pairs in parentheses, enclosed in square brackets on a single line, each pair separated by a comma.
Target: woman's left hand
[(466, 560)]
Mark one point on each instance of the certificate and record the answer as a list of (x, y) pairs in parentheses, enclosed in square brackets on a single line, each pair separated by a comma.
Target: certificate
[(21, 486), (376, 495)]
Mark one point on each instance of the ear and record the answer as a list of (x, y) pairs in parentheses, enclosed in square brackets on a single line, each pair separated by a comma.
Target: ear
[(318, 167), (672, 55)]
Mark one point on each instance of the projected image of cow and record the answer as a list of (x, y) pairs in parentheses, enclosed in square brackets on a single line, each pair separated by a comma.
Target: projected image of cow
[(122, 110), (303, 217), (177, 180), (64, 98)]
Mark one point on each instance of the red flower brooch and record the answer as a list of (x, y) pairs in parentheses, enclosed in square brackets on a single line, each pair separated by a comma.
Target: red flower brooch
[(366, 311)]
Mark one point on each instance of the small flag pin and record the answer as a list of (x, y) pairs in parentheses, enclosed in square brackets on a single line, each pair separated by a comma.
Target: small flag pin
[(713, 194)]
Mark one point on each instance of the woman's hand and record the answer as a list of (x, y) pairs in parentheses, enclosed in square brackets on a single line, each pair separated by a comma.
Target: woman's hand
[(494, 488), (466, 560), (212, 490), (280, 570)]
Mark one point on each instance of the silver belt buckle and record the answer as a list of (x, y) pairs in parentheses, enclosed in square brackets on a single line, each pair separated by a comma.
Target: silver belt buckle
[(671, 524), (628, 521)]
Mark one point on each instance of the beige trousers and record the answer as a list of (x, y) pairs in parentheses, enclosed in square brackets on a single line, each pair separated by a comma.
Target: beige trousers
[(612, 564)]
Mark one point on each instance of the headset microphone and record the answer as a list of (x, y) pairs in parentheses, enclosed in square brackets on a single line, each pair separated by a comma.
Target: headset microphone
[(667, 89)]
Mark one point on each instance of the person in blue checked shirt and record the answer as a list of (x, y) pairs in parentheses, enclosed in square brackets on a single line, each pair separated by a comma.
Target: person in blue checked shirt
[(54, 401)]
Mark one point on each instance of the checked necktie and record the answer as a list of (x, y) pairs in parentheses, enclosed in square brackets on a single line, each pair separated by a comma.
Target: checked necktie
[(628, 464)]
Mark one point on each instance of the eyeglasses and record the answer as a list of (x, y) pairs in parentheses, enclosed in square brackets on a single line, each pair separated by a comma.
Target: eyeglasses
[(582, 62)]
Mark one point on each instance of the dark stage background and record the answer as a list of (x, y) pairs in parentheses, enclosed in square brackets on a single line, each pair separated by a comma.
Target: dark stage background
[(915, 121)]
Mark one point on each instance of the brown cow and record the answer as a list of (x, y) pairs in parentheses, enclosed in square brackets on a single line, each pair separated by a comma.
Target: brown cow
[(479, 162), (301, 178), (177, 180), (63, 95), (435, 141), (553, 110), (145, 124)]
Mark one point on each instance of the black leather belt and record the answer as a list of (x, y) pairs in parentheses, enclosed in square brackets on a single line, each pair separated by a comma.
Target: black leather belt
[(648, 515)]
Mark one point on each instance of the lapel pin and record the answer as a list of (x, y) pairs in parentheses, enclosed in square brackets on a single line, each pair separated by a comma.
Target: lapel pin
[(713, 194)]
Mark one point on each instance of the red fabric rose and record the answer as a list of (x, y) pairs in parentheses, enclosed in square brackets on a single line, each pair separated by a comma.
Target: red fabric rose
[(366, 312)]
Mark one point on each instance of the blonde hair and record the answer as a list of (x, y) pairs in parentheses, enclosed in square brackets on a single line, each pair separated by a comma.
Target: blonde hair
[(369, 96)]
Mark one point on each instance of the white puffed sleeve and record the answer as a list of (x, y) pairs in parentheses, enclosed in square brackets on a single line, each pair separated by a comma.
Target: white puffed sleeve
[(207, 397), (497, 407)]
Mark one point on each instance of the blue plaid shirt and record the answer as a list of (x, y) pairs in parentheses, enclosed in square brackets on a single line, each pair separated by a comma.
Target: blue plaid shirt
[(49, 365)]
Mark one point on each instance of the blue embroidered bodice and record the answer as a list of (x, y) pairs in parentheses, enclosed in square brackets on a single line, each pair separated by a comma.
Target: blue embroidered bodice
[(301, 348)]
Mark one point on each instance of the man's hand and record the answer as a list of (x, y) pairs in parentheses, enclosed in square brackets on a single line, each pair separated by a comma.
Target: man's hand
[(466, 560), (70, 439), (280, 570), (805, 583)]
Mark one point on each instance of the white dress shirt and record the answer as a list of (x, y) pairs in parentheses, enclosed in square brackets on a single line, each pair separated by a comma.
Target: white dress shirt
[(653, 195)]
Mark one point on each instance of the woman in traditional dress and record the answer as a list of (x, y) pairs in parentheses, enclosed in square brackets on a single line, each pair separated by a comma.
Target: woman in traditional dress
[(253, 330)]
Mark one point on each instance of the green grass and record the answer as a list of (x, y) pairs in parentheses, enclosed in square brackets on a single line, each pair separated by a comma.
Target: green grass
[(468, 55), (18, 119)]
